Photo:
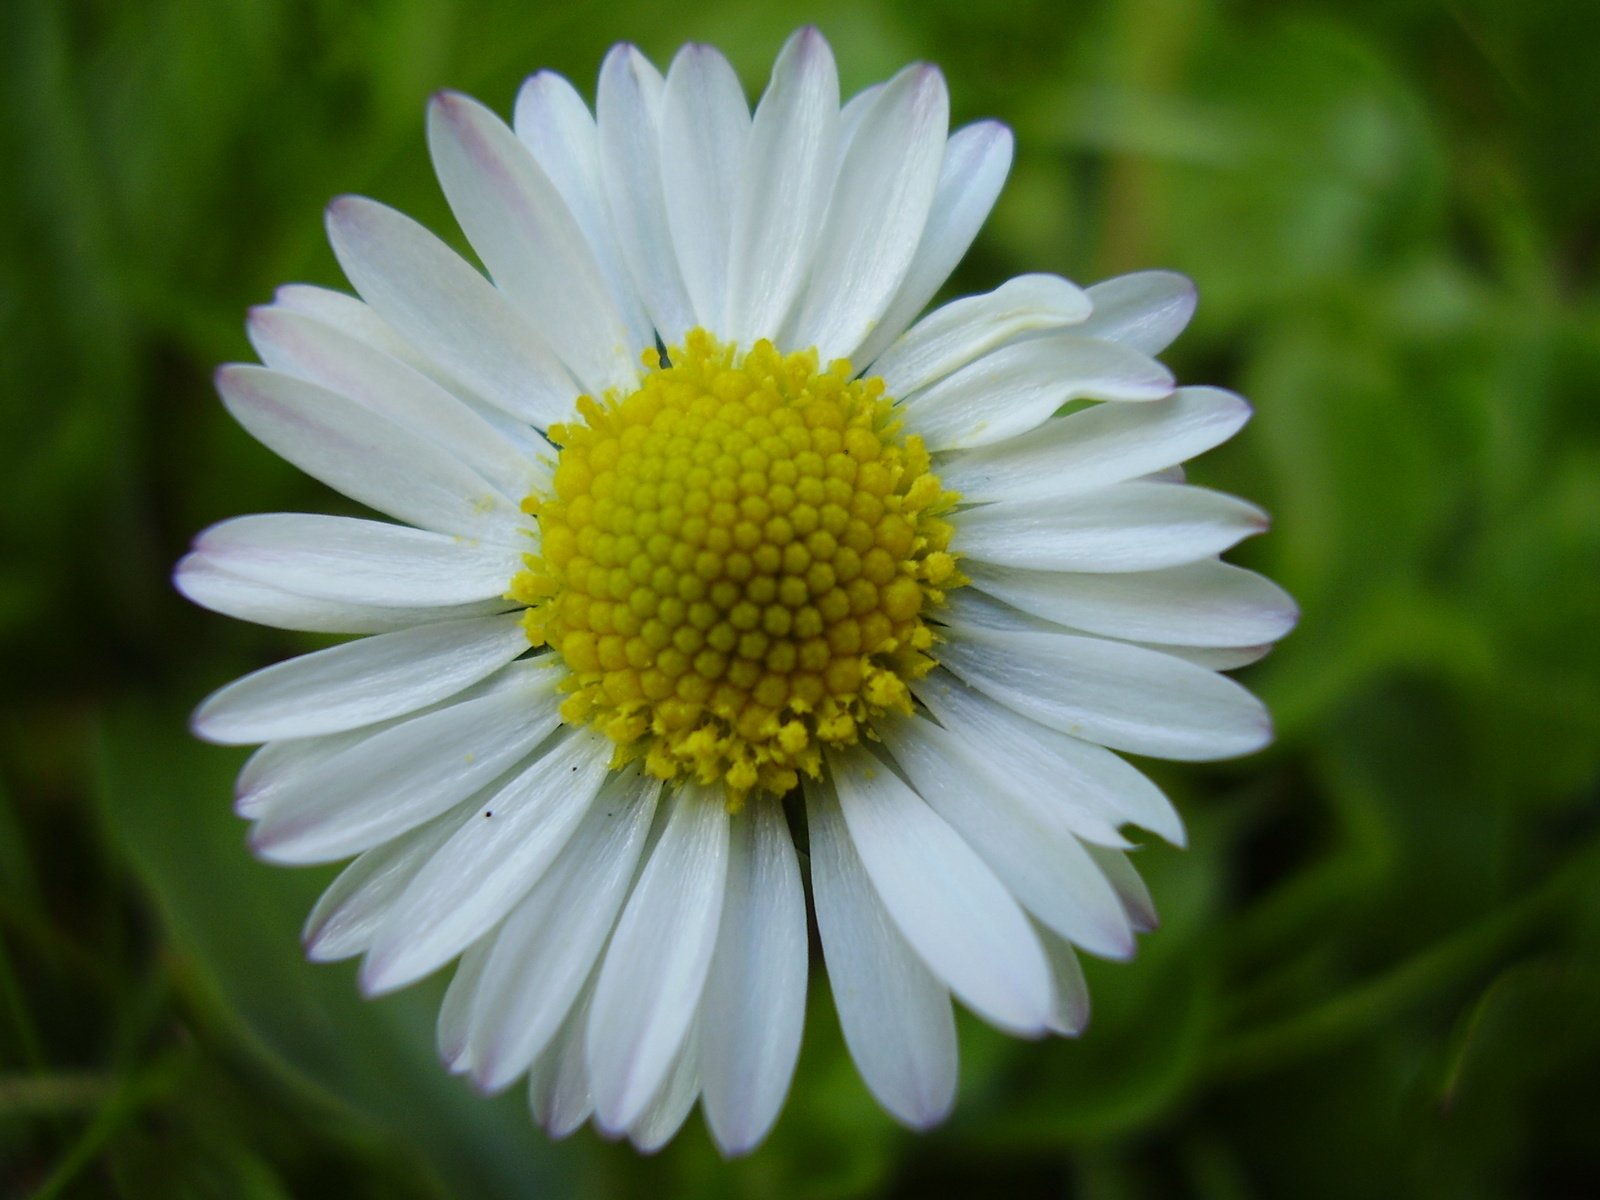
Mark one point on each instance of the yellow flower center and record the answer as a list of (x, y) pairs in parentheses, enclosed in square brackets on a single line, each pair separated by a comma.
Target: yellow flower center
[(736, 564)]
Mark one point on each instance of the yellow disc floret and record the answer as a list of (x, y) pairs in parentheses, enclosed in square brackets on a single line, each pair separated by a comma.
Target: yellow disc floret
[(736, 564)]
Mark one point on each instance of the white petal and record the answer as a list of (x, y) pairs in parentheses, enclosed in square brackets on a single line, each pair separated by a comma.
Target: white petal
[(954, 335), (350, 316), (969, 606), (974, 606), (1019, 386), (521, 228), (356, 562), (755, 998), (705, 131), (360, 682), (783, 195), (976, 160), (1085, 811), (450, 312), (1134, 526), (1131, 890), (268, 773), (895, 1015), (1018, 829), (875, 220), (856, 108), (551, 943), (952, 910), (1077, 773), (489, 864), (559, 1095), (1213, 658), (1145, 310), (367, 457), (356, 320), (350, 912), (199, 577), (628, 111), (665, 1114), (555, 124), (1206, 603), (650, 983), (459, 997), (389, 783), (265, 772), (1108, 443), (300, 345), (1071, 1013), (1118, 695)]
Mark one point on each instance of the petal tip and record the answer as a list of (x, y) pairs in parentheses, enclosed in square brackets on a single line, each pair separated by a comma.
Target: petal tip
[(622, 57), (185, 569), (380, 974), (486, 1080), (259, 318), (344, 208), (314, 944), (203, 727), (925, 1113)]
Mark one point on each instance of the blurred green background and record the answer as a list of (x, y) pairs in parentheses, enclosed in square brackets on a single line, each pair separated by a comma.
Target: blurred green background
[(1378, 973)]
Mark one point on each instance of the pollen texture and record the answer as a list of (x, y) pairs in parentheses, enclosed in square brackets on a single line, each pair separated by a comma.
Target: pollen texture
[(737, 562)]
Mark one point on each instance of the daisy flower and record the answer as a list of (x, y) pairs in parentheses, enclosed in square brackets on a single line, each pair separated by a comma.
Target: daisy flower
[(710, 566)]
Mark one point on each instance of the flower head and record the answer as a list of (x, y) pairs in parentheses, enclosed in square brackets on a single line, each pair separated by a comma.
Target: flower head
[(691, 513)]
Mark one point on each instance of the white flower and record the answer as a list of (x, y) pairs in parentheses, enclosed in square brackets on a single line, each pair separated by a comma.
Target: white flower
[(596, 662)]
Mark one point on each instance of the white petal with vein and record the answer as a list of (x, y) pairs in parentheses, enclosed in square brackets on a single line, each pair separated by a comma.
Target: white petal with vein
[(628, 113), (783, 195), (358, 562), (1076, 773), (664, 1116), (521, 228), (1133, 526), (954, 335), (204, 580), (552, 120), (559, 1094), (877, 214), (550, 944), (754, 1007), (351, 911), (976, 161), (895, 1015), (455, 316), (1206, 603), (301, 345), (947, 903), (366, 456), (705, 131), (1145, 310), (397, 779), (1018, 829), (489, 863), (360, 682), (1118, 695), (1014, 389), (649, 986), (1108, 443)]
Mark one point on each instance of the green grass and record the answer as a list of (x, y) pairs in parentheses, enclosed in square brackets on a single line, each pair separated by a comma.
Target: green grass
[(1380, 968)]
